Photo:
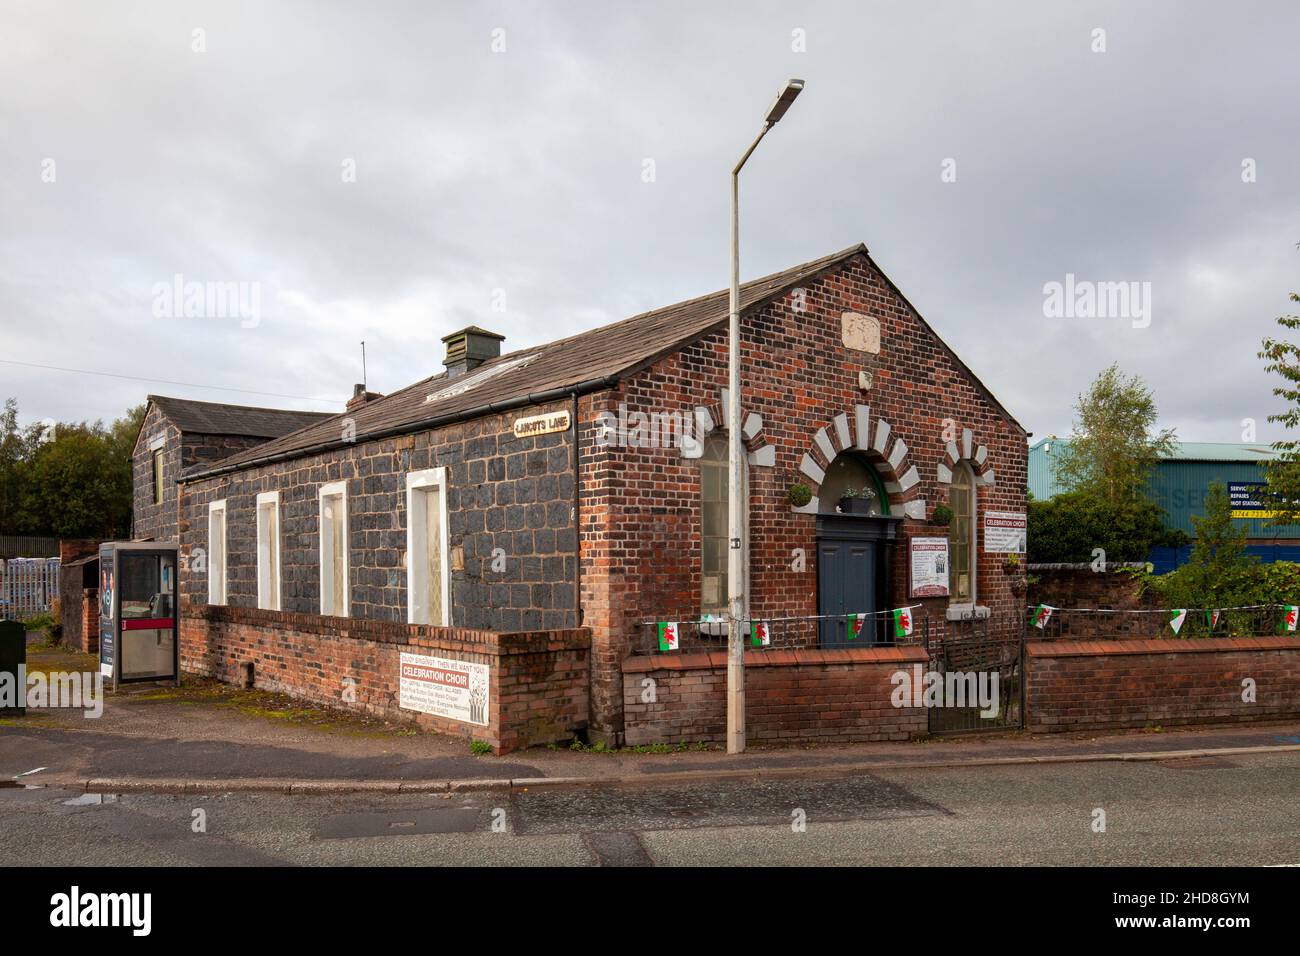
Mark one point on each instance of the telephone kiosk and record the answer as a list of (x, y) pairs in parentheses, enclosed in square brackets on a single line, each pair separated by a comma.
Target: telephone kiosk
[(138, 622)]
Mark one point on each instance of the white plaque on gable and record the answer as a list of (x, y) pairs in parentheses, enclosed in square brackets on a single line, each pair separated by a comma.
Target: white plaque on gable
[(861, 332)]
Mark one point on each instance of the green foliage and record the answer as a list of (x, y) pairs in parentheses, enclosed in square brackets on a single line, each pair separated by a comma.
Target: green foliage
[(799, 494), (941, 514), (1065, 529), (480, 747), (72, 480), (1283, 474), (1113, 445), (45, 623), (1244, 586)]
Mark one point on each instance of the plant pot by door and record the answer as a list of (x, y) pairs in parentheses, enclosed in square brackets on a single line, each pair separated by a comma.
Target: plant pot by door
[(856, 506)]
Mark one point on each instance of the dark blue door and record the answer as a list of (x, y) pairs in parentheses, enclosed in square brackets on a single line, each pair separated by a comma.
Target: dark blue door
[(846, 584)]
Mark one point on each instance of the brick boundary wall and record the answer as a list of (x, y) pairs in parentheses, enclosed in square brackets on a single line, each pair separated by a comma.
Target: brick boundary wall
[(1116, 684), (790, 696), (538, 692)]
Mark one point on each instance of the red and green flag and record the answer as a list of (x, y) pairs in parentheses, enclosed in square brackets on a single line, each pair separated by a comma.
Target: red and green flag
[(902, 622), (760, 635), (1176, 618), (1212, 619), (853, 625), (1290, 614), (1042, 614), (668, 635)]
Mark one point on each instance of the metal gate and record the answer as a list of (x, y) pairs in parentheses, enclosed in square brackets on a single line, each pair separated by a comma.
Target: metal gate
[(977, 680), (28, 586)]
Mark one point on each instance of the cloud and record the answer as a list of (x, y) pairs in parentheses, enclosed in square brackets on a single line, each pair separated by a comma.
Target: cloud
[(517, 176)]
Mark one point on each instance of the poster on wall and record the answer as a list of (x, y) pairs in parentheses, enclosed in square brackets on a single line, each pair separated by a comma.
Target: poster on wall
[(929, 567), (107, 611), (445, 688), (1005, 532)]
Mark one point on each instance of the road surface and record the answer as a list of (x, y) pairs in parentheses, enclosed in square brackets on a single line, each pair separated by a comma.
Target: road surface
[(1209, 811)]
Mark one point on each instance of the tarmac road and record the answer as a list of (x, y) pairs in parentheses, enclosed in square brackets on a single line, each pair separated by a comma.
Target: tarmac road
[(1192, 811)]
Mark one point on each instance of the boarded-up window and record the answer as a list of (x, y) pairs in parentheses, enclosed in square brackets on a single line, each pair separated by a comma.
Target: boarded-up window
[(428, 581), (268, 551), (217, 552), (335, 599)]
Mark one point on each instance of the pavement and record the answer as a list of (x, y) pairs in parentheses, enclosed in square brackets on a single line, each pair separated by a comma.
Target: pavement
[(210, 737)]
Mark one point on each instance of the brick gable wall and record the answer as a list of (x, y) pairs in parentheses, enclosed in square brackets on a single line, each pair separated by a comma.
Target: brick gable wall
[(640, 528)]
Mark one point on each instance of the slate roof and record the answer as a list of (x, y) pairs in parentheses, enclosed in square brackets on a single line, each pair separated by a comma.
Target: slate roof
[(586, 362), (211, 418)]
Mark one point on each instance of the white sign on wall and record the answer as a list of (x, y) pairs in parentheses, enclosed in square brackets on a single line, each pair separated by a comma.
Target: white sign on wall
[(446, 688), (1005, 532), (929, 567)]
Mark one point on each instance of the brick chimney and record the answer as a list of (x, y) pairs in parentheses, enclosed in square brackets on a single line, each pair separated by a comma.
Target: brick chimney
[(469, 348), (360, 396)]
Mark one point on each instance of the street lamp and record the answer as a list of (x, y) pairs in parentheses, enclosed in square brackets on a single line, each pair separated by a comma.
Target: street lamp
[(737, 505)]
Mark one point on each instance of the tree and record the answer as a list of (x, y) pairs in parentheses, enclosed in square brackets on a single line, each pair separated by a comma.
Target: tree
[(1114, 444), (71, 480), (1283, 473), (11, 460), (1067, 528)]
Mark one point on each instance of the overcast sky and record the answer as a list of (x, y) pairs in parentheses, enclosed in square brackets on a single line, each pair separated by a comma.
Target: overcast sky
[(392, 172)]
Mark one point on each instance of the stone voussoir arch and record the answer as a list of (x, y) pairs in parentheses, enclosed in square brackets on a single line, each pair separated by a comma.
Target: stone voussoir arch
[(711, 417), (966, 449), (858, 431)]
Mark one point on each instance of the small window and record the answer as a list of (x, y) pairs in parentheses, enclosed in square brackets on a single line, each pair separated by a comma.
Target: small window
[(268, 550), (157, 476), (713, 525), (428, 564), (217, 552), (961, 582), (335, 596)]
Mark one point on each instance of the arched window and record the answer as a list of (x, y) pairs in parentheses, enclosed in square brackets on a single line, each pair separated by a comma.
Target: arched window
[(961, 535), (851, 473), (713, 525)]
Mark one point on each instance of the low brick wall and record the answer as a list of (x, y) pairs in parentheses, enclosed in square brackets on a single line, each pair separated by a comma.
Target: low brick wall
[(1116, 684), (790, 696), (537, 687)]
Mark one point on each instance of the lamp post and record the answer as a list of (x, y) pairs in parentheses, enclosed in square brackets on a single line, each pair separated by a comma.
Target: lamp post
[(737, 501)]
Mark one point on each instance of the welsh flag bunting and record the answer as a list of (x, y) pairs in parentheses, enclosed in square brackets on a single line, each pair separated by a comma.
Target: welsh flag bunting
[(1290, 612), (759, 635), (667, 635), (853, 625), (1176, 618), (1042, 614), (1212, 619), (902, 622)]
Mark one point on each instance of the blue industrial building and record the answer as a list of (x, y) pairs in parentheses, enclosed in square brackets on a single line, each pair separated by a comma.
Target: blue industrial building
[(1180, 483)]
